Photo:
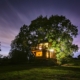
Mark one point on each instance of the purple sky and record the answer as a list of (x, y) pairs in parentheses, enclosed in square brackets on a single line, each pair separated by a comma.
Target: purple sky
[(15, 13)]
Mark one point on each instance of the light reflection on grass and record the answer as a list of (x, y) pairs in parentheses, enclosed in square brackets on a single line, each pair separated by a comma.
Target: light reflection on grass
[(41, 73)]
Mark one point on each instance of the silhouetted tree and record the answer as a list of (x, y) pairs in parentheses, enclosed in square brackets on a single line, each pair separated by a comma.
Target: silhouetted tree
[(20, 46), (1, 55), (78, 56), (1, 59)]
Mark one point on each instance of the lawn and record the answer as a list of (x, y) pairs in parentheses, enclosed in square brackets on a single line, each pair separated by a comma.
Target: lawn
[(24, 72)]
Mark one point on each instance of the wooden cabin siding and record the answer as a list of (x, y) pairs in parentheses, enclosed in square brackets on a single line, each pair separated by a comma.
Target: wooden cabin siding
[(39, 51)]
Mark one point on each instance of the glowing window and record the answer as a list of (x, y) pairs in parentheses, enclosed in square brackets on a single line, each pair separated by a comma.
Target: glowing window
[(38, 54)]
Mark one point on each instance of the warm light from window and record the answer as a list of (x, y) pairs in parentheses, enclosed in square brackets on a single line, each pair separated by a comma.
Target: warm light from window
[(40, 48), (47, 55), (51, 50), (38, 54)]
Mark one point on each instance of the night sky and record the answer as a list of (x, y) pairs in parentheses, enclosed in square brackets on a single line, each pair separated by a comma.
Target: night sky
[(16, 13)]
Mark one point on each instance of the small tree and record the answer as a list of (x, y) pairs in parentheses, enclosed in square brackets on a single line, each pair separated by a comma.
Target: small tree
[(78, 56), (1, 56)]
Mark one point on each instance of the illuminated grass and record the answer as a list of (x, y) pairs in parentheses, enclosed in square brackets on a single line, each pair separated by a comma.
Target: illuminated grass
[(39, 73)]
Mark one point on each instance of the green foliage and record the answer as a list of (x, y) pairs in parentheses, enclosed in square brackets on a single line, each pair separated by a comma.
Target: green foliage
[(57, 30), (20, 46)]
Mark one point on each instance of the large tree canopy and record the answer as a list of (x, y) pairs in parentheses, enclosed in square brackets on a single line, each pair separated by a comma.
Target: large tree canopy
[(56, 29)]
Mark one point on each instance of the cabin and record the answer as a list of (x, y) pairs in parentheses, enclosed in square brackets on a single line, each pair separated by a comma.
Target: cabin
[(42, 51)]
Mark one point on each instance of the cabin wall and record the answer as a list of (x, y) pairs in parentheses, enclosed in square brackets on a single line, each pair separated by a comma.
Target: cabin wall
[(41, 51), (40, 54)]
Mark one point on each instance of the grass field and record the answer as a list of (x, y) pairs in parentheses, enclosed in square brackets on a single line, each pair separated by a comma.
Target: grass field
[(24, 72)]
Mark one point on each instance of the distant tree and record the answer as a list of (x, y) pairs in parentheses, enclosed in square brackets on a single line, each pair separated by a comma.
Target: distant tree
[(1, 56), (0, 46), (78, 56), (4, 60)]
